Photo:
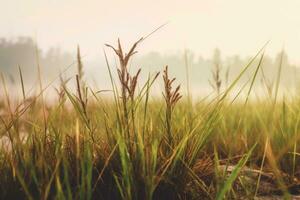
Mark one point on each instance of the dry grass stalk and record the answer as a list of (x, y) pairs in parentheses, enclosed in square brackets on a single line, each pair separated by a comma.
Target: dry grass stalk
[(127, 81), (171, 98), (216, 81)]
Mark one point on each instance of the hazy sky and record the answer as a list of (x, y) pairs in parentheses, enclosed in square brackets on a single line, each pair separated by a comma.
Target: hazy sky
[(235, 26)]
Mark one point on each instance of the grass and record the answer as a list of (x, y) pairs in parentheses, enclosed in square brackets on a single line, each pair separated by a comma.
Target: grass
[(131, 146)]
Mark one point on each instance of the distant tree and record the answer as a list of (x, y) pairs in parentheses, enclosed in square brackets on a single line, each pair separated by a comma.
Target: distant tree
[(22, 51)]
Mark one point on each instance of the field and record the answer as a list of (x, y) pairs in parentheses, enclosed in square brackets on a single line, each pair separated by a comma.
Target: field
[(133, 146)]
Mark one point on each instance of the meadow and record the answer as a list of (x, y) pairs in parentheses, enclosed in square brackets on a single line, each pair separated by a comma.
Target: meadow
[(86, 145)]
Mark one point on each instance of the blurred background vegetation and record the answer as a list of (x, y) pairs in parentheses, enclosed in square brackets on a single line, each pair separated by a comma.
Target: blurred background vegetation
[(23, 52)]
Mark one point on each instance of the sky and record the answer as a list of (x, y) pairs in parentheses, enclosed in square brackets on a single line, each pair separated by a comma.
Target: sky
[(234, 26)]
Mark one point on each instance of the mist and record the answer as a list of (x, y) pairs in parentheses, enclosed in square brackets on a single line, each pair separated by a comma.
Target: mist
[(190, 69)]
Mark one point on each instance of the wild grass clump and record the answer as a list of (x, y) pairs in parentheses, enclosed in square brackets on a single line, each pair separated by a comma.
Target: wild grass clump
[(87, 146)]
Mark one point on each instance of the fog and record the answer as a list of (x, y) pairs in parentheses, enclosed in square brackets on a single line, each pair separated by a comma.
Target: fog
[(48, 32), (188, 67), (234, 26)]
